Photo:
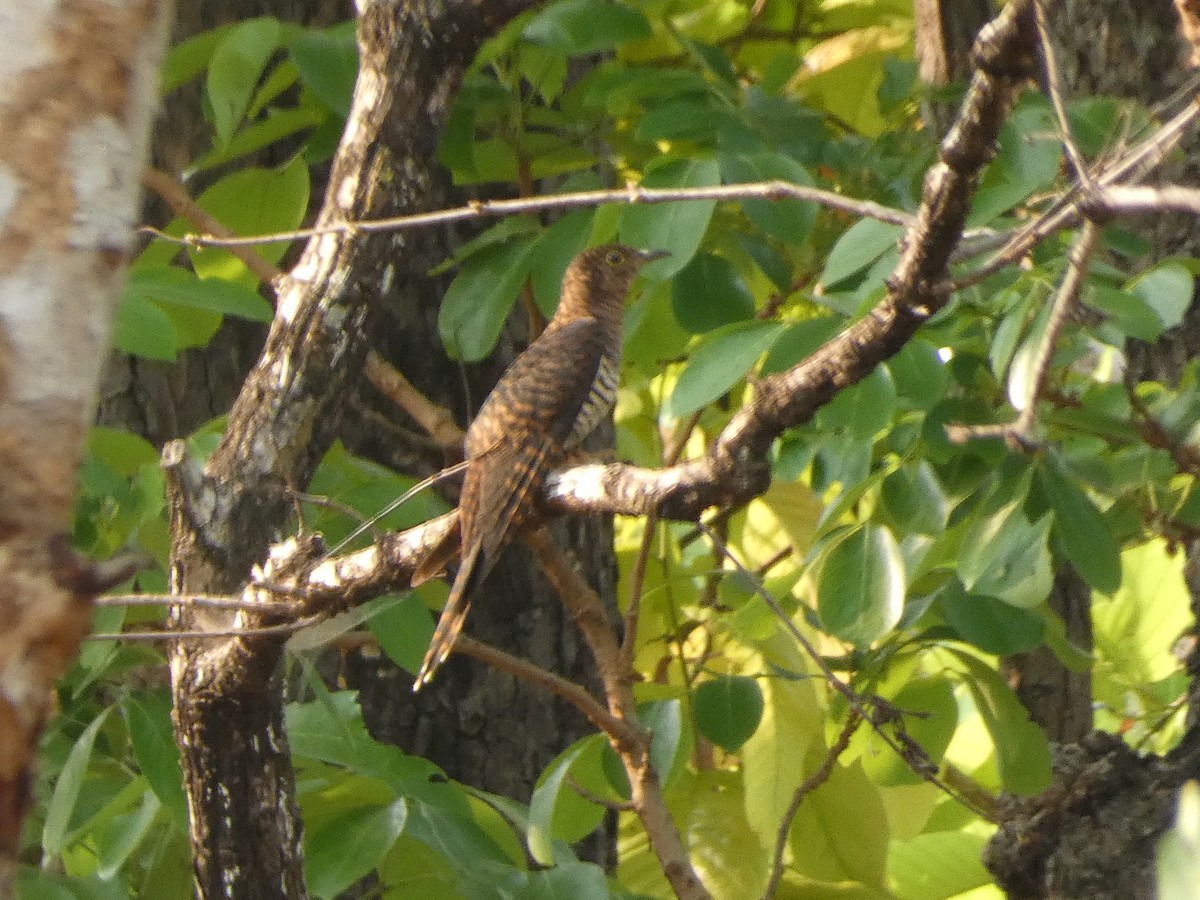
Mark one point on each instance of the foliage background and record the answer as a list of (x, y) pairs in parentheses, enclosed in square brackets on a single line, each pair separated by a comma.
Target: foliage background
[(914, 563)]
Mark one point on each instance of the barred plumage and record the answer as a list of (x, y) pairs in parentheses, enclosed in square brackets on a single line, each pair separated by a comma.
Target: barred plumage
[(550, 399)]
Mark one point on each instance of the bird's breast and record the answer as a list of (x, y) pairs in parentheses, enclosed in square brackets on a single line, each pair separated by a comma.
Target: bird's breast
[(599, 401)]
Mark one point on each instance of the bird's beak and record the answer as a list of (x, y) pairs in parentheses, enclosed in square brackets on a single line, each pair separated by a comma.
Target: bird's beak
[(649, 256)]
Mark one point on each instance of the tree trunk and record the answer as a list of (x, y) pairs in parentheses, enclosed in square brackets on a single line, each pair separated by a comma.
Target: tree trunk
[(228, 704), (72, 144)]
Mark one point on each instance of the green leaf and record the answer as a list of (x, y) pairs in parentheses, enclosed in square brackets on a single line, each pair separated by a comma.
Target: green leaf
[(237, 63), (720, 360), (122, 451), (841, 830), (1082, 532), (791, 729), (938, 866), (1178, 860), (990, 624), (799, 341), (544, 68), (143, 329), (573, 880), (61, 808), (154, 748), (403, 631), (1005, 555), (676, 227), (1028, 161), (480, 297), (708, 293), (248, 202), (919, 374), (328, 65), (731, 859), (1022, 754), (542, 804), (342, 851), (664, 720), (861, 410), (1167, 289), (581, 27), (789, 220), (557, 246), (914, 501), (1128, 311), (189, 58), (123, 834), (1137, 628), (728, 710), (41, 884), (276, 125), (170, 284), (860, 586), (862, 244), (697, 119)]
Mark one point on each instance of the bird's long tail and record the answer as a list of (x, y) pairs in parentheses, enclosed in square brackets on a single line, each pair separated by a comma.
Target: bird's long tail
[(454, 616)]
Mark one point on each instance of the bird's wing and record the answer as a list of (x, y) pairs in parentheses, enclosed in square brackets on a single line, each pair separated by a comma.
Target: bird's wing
[(522, 432)]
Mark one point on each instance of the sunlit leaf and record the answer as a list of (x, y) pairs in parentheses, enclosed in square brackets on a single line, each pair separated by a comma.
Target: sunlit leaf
[(860, 586)]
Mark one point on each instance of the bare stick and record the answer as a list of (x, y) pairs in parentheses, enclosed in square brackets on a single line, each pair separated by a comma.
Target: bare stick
[(436, 420), (810, 784), (1019, 434), (769, 190), (645, 791), (202, 600), (576, 695)]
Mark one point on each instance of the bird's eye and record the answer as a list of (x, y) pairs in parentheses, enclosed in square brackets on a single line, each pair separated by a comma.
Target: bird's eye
[(614, 257)]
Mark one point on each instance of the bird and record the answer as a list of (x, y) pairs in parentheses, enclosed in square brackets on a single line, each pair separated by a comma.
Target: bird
[(552, 397)]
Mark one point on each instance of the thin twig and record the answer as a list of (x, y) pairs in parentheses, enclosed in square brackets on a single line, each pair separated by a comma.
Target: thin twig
[(1052, 87), (576, 695), (645, 790), (810, 784), (614, 805), (186, 207), (1018, 434), (436, 420), (201, 600), (483, 209)]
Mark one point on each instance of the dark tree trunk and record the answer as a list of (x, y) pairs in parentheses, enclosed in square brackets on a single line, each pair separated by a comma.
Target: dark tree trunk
[(476, 724), (228, 705)]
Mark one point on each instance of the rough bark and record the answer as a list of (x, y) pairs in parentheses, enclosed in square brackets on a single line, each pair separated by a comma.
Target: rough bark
[(1059, 699), (76, 100), (228, 702), (943, 33)]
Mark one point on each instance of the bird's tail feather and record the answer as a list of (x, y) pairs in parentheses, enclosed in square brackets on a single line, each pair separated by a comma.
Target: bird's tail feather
[(453, 617)]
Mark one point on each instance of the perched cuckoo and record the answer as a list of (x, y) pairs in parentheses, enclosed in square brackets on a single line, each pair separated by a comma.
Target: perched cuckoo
[(551, 398)]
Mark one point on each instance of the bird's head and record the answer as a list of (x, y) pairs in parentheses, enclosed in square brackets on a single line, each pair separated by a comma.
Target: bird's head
[(605, 273)]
